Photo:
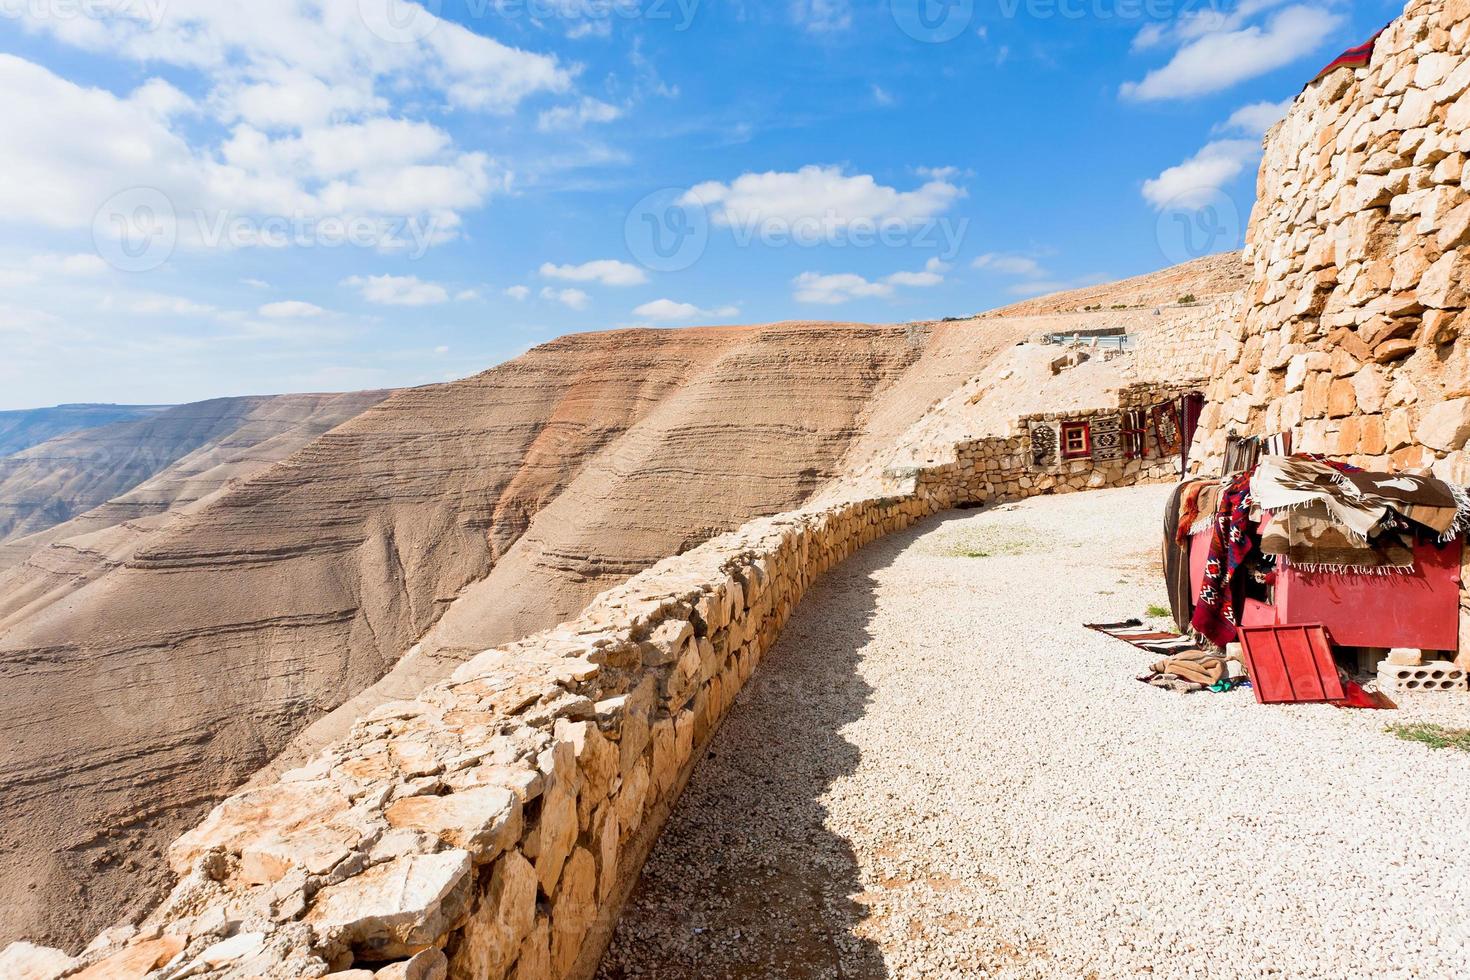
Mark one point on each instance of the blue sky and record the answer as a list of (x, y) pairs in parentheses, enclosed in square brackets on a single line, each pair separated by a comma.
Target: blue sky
[(201, 198)]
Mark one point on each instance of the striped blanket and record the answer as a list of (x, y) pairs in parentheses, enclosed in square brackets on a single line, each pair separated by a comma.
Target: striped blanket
[(1358, 57)]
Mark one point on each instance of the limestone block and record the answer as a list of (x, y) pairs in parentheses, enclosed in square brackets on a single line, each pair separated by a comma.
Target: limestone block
[(500, 922), (1446, 426), (557, 829), (272, 811), (395, 909), (428, 964), (534, 961), (24, 961), (1341, 399), (573, 910), (483, 821)]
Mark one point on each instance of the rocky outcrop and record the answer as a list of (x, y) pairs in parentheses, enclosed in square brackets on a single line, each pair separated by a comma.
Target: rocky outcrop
[(460, 515)]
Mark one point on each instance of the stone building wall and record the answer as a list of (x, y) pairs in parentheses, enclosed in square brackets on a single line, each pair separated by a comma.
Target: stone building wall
[(1183, 345), (1360, 255), (1359, 250)]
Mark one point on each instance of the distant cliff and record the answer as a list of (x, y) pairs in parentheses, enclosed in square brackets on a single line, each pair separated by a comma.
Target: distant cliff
[(24, 428)]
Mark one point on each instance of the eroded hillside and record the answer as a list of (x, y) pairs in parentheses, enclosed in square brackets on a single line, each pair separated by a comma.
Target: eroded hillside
[(188, 657), (166, 459), (24, 428)]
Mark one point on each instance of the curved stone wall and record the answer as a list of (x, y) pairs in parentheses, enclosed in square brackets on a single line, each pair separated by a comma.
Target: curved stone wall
[(492, 827)]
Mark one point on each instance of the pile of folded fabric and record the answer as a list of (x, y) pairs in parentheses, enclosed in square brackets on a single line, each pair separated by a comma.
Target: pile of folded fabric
[(1313, 514)]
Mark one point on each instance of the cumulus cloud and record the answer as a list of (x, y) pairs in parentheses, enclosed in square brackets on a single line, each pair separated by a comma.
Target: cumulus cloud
[(812, 287), (830, 290), (574, 299), (517, 293), (822, 195), (608, 272), (398, 290), (47, 266), (308, 110), (1255, 119), (670, 311), (1196, 181), (291, 309), (1217, 50)]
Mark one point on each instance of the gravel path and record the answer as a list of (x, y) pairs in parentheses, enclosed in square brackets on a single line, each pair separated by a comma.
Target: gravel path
[(938, 773)]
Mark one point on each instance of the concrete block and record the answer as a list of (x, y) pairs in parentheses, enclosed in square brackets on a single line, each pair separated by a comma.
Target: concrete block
[(1426, 678)]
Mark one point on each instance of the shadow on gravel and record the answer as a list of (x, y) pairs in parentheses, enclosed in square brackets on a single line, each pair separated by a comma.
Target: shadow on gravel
[(747, 881)]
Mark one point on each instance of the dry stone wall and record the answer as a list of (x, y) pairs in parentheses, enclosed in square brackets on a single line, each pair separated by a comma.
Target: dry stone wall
[(492, 827), (1359, 248), (1182, 347)]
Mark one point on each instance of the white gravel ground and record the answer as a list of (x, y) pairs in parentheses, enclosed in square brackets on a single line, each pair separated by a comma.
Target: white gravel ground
[(939, 773)]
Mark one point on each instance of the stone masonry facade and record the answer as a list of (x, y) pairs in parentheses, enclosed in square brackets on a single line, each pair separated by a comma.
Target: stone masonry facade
[(1353, 331)]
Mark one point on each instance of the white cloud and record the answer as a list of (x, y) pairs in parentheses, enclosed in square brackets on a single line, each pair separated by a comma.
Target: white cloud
[(398, 290), (1196, 181), (608, 272), (669, 311), (341, 43), (465, 295), (1217, 52), (812, 287), (308, 112), (80, 266), (572, 298), (290, 309), (932, 275), (1255, 119), (74, 148), (255, 283), (822, 16), (1010, 265), (882, 96), (823, 195), (569, 117), (517, 293)]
